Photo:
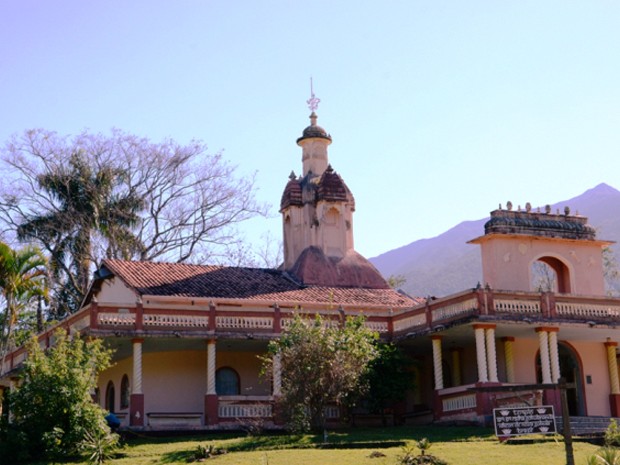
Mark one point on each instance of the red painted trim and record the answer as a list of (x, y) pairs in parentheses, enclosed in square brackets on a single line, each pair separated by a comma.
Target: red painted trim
[(611, 344), (548, 329), (484, 326), (508, 339), (139, 316), (211, 416), (136, 410)]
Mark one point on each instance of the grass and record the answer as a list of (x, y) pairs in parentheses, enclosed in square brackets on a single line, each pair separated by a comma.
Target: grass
[(458, 446)]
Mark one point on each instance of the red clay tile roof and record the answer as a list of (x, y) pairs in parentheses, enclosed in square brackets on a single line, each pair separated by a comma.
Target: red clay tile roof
[(332, 188), (202, 281)]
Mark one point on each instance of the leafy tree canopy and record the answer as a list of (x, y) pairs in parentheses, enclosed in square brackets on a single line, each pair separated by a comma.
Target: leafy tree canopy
[(92, 196), (52, 409), (322, 363)]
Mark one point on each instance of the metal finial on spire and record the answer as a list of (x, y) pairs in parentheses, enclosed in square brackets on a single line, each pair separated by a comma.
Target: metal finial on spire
[(313, 102)]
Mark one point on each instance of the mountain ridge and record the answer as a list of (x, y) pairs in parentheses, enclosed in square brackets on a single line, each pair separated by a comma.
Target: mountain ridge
[(446, 263)]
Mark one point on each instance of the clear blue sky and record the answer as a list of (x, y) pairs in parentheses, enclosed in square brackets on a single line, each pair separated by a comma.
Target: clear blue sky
[(439, 110)]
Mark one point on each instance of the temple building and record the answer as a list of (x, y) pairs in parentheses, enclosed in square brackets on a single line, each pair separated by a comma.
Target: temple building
[(187, 337)]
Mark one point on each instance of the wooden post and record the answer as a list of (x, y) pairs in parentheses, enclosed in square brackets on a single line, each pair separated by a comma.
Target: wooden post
[(568, 437)]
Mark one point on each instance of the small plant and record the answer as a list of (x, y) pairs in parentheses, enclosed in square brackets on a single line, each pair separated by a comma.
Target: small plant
[(206, 452), (612, 434), (605, 456), (423, 458), (99, 446)]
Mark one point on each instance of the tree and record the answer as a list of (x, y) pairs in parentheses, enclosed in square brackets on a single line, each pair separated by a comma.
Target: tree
[(388, 378), (321, 364), (396, 281), (22, 279), (87, 203), (53, 413), (93, 196)]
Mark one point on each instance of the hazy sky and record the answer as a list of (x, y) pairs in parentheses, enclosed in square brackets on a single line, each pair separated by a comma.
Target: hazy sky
[(439, 110)]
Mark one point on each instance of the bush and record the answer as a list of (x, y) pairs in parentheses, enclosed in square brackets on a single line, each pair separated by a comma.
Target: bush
[(410, 458), (206, 452), (612, 434), (53, 413)]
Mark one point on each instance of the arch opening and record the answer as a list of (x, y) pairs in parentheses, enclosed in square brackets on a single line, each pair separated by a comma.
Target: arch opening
[(550, 274)]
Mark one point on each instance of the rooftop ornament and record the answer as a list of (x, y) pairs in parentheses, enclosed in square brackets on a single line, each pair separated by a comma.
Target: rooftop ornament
[(313, 101)]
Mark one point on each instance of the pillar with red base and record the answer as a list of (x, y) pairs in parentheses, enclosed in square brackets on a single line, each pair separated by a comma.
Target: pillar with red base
[(211, 407), (136, 400)]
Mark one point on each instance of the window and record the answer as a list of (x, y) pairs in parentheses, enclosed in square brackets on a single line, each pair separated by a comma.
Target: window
[(109, 397), (227, 382), (125, 392)]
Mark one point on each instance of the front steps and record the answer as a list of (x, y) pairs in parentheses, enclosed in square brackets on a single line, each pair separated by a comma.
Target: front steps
[(585, 426)]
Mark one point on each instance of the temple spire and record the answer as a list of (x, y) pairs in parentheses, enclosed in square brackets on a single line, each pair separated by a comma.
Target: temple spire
[(313, 101)]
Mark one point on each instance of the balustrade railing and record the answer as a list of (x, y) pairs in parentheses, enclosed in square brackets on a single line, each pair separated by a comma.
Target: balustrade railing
[(187, 321), (587, 310), (243, 322), (517, 306), (233, 410), (462, 402), (410, 322), (116, 319), (456, 309)]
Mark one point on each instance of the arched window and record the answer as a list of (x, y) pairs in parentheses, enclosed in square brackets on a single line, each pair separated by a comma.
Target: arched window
[(109, 397), (125, 392), (227, 382)]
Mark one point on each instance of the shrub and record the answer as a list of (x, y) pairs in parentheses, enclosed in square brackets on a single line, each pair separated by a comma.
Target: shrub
[(612, 434), (410, 458), (53, 413)]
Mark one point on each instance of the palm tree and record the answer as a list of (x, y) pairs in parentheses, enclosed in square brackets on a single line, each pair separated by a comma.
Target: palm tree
[(22, 279), (89, 212)]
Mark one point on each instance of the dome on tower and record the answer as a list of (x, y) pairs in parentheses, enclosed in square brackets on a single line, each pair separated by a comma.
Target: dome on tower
[(314, 130)]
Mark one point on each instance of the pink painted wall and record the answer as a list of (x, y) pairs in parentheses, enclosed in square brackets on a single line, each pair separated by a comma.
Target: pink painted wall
[(177, 381), (506, 262)]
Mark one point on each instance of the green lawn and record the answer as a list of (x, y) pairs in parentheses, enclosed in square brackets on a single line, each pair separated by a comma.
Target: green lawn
[(458, 446)]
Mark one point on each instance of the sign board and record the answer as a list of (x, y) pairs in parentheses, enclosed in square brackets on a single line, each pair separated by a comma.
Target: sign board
[(524, 420)]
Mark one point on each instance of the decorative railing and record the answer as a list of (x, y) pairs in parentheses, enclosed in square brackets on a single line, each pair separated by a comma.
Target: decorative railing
[(226, 410), (410, 322), (378, 326), (244, 322), (517, 306), (587, 310), (186, 321), (462, 402), (116, 319), (456, 309)]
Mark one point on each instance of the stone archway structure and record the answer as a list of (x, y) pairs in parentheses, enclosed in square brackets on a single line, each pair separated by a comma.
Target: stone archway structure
[(513, 240)]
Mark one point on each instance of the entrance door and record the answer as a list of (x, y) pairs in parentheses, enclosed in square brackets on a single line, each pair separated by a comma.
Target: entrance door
[(570, 369)]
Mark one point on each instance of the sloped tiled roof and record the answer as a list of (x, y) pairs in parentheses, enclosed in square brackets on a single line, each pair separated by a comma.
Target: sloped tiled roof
[(219, 282)]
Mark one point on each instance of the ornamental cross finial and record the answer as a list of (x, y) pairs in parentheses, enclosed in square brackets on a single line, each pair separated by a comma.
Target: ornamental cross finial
[(313, 102)]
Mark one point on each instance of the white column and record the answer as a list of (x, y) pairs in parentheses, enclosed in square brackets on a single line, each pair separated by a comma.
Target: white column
[(211, 366), (136, 385), (510, 361), (543, 342), (481, 358), (437, 362), (612, 364), (277, 375), (554, 356), (491, 354)]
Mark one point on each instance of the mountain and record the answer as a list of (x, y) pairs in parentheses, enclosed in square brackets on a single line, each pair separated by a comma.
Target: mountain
[(446, 263)]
